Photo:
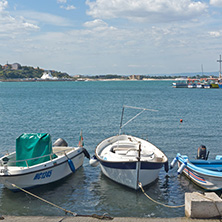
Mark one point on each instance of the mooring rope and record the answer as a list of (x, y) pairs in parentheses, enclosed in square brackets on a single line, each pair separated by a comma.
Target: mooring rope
[(102, 217), (165, 205)]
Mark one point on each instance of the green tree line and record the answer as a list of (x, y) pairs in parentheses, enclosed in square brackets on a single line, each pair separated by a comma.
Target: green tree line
[(27, 72)]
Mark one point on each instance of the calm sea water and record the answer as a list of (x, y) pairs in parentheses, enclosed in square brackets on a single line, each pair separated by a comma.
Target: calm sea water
[(64, 108)]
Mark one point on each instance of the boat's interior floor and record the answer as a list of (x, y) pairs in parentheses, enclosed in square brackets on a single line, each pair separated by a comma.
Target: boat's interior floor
[(129, 150), (60, 150)]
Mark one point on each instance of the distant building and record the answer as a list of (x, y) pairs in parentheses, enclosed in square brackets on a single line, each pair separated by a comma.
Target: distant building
[(135, 77), (16, 66), (48, 76), (6, 67)]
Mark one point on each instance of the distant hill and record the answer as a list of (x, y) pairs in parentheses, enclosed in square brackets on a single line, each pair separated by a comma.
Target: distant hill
[(16, 71)]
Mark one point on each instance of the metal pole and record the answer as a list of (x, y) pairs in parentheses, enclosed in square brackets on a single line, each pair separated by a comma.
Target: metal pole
[(121, 121), (220, 61)]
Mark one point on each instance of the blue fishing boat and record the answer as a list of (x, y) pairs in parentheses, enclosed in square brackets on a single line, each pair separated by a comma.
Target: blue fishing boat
[(205, 173)]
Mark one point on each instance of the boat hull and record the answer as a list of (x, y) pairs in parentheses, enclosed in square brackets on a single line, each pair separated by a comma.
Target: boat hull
[(41, 174), (200, 86), (129, 160), (214, 85), (179, 85), (191, 86), (131, 174), (206, 179)]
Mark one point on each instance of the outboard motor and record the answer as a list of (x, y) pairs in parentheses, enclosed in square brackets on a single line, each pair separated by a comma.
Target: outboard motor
[(202, 153), (60, 142)]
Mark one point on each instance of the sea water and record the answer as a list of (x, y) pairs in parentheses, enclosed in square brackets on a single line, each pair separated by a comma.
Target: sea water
[(64, 108)]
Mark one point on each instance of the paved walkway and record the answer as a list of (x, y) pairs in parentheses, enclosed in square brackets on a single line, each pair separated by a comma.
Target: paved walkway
[(89, 219)]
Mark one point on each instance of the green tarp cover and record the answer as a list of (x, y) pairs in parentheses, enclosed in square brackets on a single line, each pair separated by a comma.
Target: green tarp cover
[(31, 145)]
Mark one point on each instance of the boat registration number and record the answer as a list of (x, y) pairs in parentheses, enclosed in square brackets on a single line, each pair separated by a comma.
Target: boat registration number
[(43, 175)]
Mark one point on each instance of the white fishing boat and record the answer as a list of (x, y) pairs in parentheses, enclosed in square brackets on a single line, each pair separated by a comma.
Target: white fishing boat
[(180, 83), (129, 160), (36, 162)]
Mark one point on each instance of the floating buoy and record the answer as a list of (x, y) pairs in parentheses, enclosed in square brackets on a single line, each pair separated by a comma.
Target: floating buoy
[(173, 163), (181, 120), (183, 165)]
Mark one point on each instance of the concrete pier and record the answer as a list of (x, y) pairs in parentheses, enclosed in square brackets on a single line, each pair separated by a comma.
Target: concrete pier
[(207, 205), (87, 219)]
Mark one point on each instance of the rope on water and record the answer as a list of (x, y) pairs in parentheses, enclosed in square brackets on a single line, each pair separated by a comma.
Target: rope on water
[(102, 217), (141, 187)]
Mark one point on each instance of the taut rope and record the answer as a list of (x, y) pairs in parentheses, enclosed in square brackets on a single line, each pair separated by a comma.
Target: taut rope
[(104, 216)]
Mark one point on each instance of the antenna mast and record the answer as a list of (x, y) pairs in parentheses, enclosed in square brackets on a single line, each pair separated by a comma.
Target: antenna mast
[(124, 106), (220, 61)]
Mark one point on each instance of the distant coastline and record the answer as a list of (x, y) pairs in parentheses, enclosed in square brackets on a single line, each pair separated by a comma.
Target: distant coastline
[(18, 73), (85, 80)]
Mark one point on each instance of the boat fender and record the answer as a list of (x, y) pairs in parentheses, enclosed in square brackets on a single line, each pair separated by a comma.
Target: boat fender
[(71, 165), (173, 163), (86, 153), (93, 161), (166, 166), (181, 168)]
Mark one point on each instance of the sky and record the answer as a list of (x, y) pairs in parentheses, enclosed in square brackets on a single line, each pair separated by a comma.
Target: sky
[(124, 37)]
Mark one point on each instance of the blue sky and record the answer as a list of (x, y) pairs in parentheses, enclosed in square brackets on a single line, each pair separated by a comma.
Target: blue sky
[(125, 37)]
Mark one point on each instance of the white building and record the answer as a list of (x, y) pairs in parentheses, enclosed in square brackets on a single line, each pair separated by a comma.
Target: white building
[(48, 76)]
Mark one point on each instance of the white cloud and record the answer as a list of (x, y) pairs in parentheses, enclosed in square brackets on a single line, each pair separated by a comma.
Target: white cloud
[(95, 23), (99, 25), (92, 51), (68, 7), (45, 18), (29, 25), (215, 33), (12, 26), (3, 5), (216, 3), (61, 1), (65, 6), (148, 10)]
